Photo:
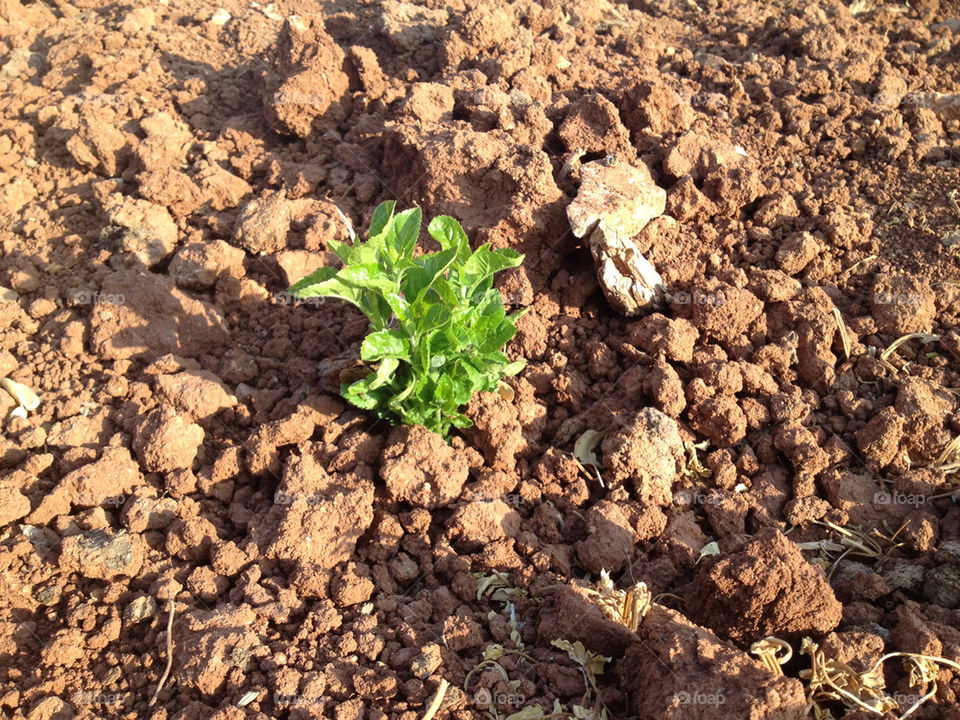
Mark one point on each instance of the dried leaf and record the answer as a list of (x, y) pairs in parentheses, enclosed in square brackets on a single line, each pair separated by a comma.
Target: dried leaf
[(25, 397), (589, 661), (530, 712), (585, 449), (493, 652)]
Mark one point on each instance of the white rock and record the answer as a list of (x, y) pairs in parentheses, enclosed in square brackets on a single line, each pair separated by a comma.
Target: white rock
[(220, 17), (626, 197), (614, 203)]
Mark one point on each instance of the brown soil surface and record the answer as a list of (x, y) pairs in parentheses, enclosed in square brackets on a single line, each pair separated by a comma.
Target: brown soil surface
[(169, 168)]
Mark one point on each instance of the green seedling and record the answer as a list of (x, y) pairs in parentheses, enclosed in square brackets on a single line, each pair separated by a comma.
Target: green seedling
[(437, 324)]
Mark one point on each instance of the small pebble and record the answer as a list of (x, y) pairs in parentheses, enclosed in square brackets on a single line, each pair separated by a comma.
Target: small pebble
[(140, 609), (950, 239), (220, 17)]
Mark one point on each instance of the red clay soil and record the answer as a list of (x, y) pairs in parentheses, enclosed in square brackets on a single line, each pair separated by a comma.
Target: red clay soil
[(169, 169)]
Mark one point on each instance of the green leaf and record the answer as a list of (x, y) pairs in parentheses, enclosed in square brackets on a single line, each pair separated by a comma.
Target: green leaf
[(315, 278), (498, 336), (426, 268), (334, 286), (358, 393), (369, 276), (477, 272), (384, 344), (400, 307), (436, 317), (445, 291), (513, 368), (460, 420), (384, 374), (407, 232), (341, 250), (449, 233), (381, 217)]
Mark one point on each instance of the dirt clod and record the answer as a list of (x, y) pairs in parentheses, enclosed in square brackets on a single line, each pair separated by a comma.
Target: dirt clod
[(646, 452), (420, 468), (167, 441), (768, 588)]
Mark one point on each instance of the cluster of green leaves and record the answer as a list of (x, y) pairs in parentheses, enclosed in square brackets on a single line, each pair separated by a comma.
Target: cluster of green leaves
[(437, 323)]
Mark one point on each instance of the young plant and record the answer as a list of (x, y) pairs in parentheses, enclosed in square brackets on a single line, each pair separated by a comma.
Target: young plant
[(437, 323)]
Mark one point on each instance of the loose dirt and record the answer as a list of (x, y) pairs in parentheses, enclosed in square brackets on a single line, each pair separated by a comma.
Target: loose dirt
[(169, 168)]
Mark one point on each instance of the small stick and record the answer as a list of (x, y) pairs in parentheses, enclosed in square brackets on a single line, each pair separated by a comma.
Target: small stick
[(949, 451), (860, 262), (924, 337), (844, 338), (437, 699), (952, 199), (166, 673)]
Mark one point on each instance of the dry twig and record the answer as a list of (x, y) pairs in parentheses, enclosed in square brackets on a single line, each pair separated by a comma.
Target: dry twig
[(166, 672), (437, 699), (844, 337)]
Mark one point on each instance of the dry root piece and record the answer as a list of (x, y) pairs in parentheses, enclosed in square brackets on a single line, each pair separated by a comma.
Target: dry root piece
[(884, 362), (830, 680), (844, 336), (773, 652), (585, 453), (169, 666), (948, 460), (437, 699), (496, 586), (693, 468), (627, 607), (591, 664), (853, 541)]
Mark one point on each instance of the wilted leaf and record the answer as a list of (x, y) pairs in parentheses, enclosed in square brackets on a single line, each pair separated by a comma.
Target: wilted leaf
[(530, 712), (711, 548)]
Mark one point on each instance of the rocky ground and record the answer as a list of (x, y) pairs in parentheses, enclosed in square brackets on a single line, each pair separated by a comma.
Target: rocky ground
[(767, 465)]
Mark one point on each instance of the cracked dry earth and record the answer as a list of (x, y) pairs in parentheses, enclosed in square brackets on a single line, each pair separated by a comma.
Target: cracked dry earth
[(170, 168)]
